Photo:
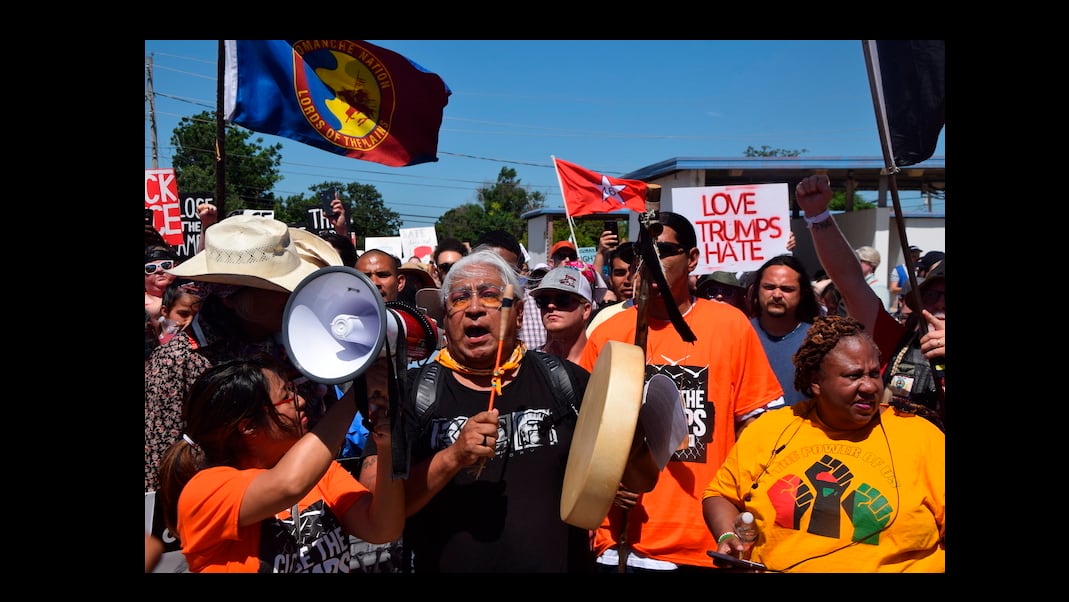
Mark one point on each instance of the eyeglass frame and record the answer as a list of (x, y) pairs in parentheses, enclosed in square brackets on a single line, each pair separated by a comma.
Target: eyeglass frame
[(487, 302), (157, 266)]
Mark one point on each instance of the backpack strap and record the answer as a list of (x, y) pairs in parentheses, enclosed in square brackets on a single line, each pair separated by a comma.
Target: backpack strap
[(560, 380), (428, 385)]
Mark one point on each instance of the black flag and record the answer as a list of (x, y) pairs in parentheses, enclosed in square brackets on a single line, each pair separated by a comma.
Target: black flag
[(913, 78)]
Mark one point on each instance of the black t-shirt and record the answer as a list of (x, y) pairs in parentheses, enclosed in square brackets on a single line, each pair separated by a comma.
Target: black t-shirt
[(507, 520)]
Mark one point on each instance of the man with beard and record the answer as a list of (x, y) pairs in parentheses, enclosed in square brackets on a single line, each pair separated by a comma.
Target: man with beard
[(784, 307)]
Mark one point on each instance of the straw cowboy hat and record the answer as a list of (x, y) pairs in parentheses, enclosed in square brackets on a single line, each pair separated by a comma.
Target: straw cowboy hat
[(418, 275), (259, 252)]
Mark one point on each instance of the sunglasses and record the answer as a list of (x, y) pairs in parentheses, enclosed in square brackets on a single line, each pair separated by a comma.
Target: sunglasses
[(563, 301), (490, 297), (712, 292), (443, 268), (664, 251), (166, 264)]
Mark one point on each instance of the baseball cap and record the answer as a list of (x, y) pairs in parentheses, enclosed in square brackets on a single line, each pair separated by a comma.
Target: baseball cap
[(567, 279), (929, 259), (563, 244)]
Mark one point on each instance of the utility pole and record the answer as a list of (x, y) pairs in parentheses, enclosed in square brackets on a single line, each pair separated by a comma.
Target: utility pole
[(151, 98), (220, 134)]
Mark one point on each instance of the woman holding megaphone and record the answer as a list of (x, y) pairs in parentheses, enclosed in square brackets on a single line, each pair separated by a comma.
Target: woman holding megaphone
[(249, 488), (248, 268)]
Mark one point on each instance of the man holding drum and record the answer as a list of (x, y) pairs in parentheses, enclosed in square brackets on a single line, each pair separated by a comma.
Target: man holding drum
[(724, 380)]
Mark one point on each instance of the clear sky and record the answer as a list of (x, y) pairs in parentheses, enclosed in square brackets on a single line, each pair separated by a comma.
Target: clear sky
[(612, 106)]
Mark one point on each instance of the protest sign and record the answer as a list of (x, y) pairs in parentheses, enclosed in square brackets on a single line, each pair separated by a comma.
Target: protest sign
[(738, 227), (418, 242), (390, 244), (161, 196)]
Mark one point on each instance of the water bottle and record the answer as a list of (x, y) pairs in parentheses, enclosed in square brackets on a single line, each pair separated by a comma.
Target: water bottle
[(746, 529)]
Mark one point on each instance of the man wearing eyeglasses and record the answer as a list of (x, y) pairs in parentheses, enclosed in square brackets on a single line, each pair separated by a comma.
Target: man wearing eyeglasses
[(621, 281), (158, 261), (565, 299), (448, 252), (723, 287), (488, 455), (724, 380)]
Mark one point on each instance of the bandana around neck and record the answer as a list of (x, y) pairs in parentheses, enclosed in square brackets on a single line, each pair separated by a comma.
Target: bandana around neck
[(446, 359)]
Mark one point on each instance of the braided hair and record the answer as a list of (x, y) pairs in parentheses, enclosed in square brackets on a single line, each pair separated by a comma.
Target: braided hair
[(823, 336)]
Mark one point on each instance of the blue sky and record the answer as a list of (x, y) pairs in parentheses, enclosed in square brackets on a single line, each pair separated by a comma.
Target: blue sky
[(612, 106)]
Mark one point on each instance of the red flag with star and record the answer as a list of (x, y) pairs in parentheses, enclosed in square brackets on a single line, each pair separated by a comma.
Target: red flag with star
[(587, 192)]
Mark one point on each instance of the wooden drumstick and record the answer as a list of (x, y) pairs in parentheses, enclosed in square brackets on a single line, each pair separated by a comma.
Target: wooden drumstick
[(495, 381)]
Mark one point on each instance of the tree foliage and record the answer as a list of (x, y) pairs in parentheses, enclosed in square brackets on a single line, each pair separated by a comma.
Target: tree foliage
[(838, 202), (499, 207), (368, 214), (252, 170)]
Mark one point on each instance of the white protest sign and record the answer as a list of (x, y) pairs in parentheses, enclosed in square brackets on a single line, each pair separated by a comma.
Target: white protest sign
[(739, 228), (390, 244), (418, 242)]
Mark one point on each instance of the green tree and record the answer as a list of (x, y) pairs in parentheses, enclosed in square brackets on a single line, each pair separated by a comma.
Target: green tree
[(499, 208), (465, 223), (252, 170), (838, 202), (368, 214), (765, 151)]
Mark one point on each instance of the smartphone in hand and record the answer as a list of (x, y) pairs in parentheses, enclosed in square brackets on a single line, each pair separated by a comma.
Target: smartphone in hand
[(325, 199), (612, 226)]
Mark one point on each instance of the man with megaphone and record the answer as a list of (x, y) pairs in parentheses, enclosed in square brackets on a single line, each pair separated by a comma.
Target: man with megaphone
[(488, 454)]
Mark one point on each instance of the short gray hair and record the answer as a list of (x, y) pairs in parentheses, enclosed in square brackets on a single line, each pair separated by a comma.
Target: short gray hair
[(465, 268)]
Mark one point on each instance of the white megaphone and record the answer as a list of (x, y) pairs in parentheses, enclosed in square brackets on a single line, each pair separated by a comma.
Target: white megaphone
[(336, 325)]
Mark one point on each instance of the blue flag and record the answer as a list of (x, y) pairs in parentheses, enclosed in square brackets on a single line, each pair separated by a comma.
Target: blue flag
[(344, 96)]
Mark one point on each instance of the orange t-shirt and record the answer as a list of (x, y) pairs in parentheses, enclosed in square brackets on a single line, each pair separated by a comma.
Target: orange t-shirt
[(722, 376), (213, 542)]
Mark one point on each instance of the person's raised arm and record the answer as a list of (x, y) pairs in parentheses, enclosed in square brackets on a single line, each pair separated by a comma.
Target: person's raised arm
[(339, 219), (379, 517), (833, 250), (606, 244), (301, 467), (208, 214)]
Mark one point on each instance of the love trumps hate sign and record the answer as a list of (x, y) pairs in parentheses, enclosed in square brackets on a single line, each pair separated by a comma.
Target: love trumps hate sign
[(738, 227)]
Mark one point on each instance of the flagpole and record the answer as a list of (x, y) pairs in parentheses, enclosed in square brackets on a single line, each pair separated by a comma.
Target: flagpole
[(872, 64), (220, 134), (564, 198)]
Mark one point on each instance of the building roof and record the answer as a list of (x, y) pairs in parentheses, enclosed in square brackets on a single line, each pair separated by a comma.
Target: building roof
[(865, 172)]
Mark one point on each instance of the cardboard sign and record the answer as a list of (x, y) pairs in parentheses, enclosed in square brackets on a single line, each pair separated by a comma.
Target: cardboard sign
[(161, 196), (191, 226), (739, 228), (390, 244), (418, 242)]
